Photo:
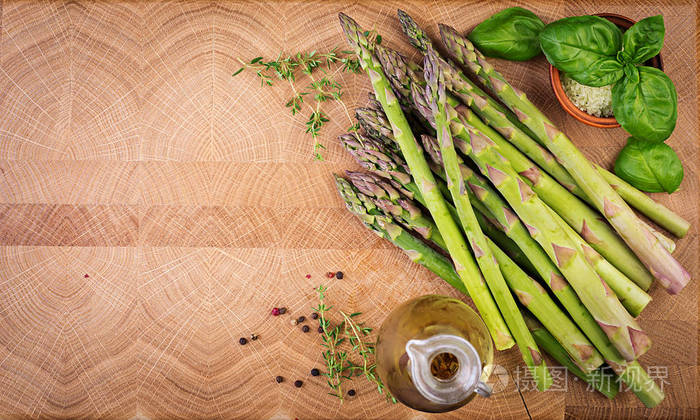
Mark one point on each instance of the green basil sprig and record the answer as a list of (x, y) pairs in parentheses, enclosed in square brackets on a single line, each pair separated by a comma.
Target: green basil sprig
[(649, 166), (585, 48), (512, 34), (645, 103)]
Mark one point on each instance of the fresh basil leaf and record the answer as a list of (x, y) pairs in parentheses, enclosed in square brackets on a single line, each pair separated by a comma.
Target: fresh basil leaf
[(512, 34), (643, 40), (631, 73), (585, 48), (645, 103), (601, 73), (649, 166)]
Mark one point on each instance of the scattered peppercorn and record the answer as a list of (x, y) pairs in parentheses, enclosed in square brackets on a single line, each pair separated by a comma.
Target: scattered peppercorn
[(320, 330), (253, 336), (298, 383), (351, 393), (279, 379), (308, 276), (86, 276), (314, 315), (315, 372), (305, 328), (242, 341), (275, 311), (339, 275), (330, 274), (283, 310), (294, 322), (301, 319)]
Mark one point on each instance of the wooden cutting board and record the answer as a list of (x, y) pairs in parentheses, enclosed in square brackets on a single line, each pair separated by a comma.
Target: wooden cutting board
[(153, 209)]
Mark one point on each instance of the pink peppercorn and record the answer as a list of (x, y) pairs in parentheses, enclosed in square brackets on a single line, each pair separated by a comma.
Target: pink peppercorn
[(308, 276), (275, 311)]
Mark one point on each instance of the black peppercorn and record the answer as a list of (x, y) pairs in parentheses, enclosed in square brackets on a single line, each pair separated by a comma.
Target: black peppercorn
[(339, 275), (351, 393), (298, 383), (279, 379), (283, 310), (242, 341), (253, 336), (305, 328), (320, 330), (301, 319), (314, 315), (315, 372)]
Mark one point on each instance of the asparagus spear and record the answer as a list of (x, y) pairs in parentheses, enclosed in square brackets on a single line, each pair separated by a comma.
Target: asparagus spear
[(658, 260), (381, 224), (632, 297), (642, 202), (435, 92), (378, 156), (598, 379), (372, 102), (375, 124), (395, 202), (423, 177)]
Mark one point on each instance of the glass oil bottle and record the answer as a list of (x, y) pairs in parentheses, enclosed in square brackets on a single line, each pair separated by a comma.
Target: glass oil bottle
[(434, 354)]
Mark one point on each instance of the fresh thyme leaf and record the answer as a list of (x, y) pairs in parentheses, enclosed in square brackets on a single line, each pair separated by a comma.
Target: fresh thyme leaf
[(239, 71), (378, 39)]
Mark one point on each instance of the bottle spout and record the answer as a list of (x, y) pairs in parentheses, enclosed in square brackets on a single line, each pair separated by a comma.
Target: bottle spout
[(441, 389), (483, 389)]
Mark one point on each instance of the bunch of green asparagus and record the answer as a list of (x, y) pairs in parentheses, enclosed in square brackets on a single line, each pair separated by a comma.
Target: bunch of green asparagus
[(500, 204)]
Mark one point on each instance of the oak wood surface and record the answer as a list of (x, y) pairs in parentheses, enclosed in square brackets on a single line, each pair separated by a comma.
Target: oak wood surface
[(153, 209)]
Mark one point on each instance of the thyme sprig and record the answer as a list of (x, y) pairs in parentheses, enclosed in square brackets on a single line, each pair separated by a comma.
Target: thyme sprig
[(339, 366), (324, 89), (355, 333)]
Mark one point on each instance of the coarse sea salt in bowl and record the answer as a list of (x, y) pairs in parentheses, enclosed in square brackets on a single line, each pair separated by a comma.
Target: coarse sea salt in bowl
[(584, 102)]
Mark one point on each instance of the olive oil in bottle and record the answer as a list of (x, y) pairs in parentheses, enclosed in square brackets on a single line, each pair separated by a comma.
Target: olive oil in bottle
[(434, 354)]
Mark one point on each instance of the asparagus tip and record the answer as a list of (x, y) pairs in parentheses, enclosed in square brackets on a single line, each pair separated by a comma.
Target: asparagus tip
[(415, 34)]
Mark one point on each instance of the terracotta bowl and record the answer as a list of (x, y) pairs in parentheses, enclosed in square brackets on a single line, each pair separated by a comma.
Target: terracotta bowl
[(623, 23)]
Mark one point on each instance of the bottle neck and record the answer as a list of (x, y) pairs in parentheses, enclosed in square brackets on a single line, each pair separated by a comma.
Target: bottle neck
[(439, 388)]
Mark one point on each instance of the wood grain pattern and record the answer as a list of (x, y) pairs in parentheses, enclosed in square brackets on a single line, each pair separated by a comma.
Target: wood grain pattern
[(153, 209)]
